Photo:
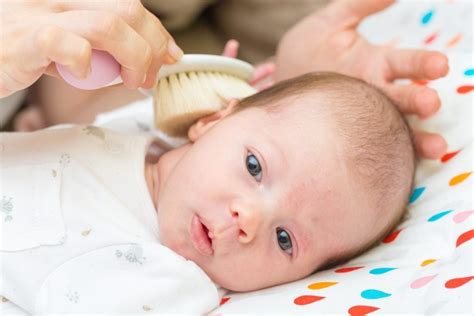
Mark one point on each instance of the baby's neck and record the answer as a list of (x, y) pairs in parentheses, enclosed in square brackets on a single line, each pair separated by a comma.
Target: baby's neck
[(154, 152), (151, 181)]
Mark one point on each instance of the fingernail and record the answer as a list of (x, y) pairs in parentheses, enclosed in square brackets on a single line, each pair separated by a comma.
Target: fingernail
[(79, 73), (174, 50)]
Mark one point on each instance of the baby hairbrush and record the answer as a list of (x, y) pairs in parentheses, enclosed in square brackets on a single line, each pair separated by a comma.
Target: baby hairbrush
[(194, 87)]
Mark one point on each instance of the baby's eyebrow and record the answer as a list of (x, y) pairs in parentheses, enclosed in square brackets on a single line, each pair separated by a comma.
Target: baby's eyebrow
[(272, 154), (303, 241)]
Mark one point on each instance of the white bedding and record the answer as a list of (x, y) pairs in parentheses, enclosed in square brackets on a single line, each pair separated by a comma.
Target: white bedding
[(426, 264)]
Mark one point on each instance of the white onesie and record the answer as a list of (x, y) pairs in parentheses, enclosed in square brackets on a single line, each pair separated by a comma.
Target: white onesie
[(79, 231)]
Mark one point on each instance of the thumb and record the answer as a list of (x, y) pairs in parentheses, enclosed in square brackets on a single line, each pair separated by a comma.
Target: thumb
[(355, 11)]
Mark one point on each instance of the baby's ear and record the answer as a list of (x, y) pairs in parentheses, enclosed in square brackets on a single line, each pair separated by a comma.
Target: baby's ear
[(206, 122)]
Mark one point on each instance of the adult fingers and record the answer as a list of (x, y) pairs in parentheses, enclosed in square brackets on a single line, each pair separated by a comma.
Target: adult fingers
[(429, 145), (414, 99), (63, 47), (350, 12), (163, 48), (107, 31), (41, 47), (416, 64)]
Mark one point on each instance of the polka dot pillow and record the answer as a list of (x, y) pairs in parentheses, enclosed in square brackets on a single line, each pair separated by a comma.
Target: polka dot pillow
[(426, 264)]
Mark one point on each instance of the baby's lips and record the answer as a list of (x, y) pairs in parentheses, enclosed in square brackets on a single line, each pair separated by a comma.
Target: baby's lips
[(199, 236)]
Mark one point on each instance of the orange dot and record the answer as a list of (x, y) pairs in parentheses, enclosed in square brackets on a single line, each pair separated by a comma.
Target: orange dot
[(321, 285), (453, 41), (459, 178)]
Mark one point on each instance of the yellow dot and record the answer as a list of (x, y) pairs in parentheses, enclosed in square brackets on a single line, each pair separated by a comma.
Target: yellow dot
[(427, 262), (321, 285)]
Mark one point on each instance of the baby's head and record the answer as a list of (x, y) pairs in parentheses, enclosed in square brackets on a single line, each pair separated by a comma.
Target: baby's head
[(310, 172)]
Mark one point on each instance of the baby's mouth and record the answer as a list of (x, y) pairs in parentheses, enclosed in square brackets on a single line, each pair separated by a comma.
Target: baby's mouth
[(200, 236)]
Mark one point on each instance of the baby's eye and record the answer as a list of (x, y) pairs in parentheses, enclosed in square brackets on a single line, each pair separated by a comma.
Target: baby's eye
[(253, 166), (284, 240)]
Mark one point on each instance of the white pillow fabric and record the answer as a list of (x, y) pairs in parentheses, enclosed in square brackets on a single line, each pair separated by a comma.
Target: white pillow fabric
[(426, 264)]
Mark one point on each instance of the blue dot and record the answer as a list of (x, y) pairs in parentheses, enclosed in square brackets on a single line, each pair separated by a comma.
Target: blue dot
[(372, 294), (438, 216), (426, 18), (416, 194), (469, 72), (381, 270)]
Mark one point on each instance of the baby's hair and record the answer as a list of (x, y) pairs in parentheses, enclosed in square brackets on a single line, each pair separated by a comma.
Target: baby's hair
[(377, 142)]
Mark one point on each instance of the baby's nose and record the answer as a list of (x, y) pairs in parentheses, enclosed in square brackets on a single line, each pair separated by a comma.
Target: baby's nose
[(248, 219)]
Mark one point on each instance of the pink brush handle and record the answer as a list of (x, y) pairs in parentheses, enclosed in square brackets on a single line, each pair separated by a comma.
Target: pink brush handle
[(105, 71)]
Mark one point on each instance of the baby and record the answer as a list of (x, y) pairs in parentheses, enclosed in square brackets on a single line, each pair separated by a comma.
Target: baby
[(299, 177)]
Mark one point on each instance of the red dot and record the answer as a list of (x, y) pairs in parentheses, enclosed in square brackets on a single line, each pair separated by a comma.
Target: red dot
[(431, 38), (307, 299), (454, 283), (391, 237), (465, 237), (348, 269), (224, 299), (465, 89), (361, 310), (450, 155)]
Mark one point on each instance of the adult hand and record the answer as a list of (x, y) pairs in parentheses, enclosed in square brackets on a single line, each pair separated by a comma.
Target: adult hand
[(263, 75), (34, 34), (327, 40)]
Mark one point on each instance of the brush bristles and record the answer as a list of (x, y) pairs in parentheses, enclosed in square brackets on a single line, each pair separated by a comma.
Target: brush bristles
[(181, 99)]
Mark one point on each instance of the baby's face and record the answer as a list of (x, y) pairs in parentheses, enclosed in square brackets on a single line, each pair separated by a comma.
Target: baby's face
[(260, 199)]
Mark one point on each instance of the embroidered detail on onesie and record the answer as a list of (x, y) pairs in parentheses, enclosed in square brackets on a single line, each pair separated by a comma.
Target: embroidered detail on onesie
[(109, 145), (133, 254), (147, 308), (86, 232), (72, 296), (7, 208), (94, 131), (113, 147), (64, 160)]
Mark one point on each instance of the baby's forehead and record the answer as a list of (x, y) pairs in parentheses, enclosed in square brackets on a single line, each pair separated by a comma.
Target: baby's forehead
[(305, 139)]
